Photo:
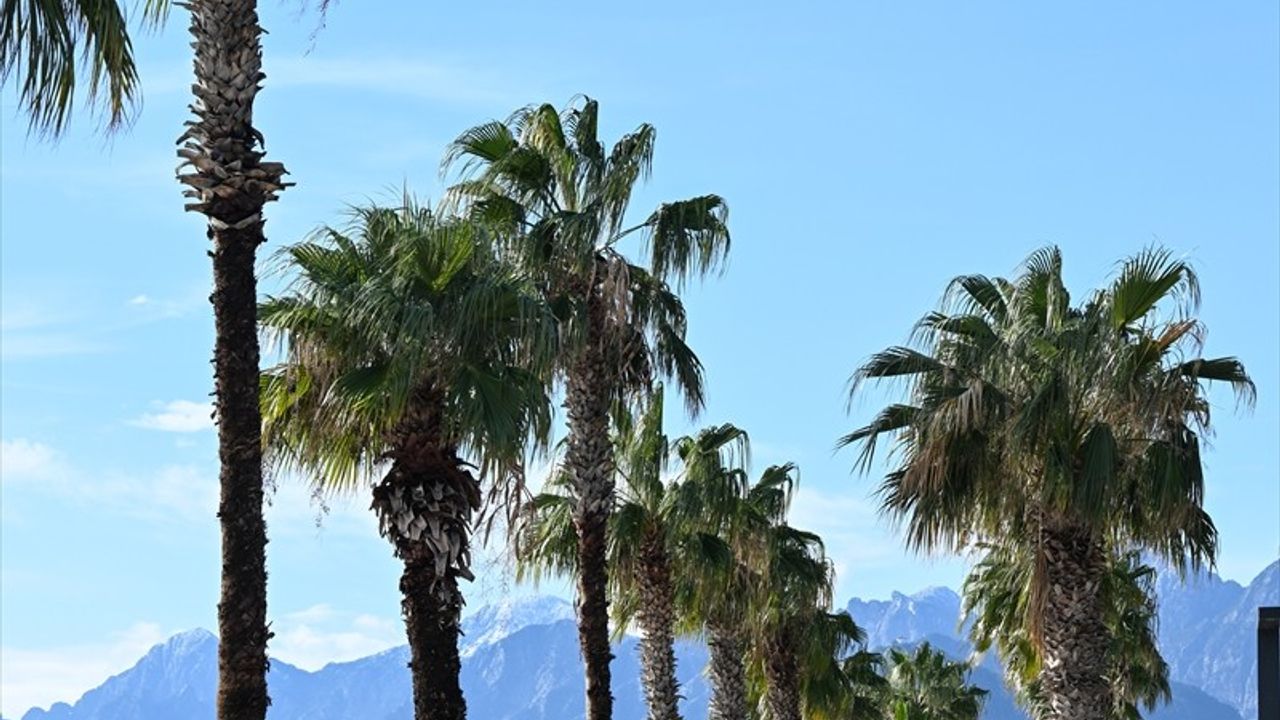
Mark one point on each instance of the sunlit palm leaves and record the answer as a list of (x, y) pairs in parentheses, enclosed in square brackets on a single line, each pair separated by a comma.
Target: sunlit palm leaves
[(925, 685), (400, 300), (51, 46), (664, 543), (1019, 402), (547, 185), (1027, 415), (997, 597), (544, 178)]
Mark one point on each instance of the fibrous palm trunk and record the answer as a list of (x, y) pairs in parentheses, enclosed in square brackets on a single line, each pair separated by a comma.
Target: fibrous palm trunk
[(727, 673), (657, 619), (230, 184), (1073, 678), (589, 460), (424, 506), (782, 676)]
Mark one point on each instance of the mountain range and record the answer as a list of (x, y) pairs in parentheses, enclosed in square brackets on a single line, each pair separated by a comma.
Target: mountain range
[(520, 662)]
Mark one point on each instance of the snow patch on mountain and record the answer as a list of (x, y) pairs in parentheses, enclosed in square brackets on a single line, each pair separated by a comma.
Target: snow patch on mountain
[(492, 623)]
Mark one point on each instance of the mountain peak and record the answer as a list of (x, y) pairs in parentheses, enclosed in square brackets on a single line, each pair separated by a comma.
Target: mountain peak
[(194, 635), (496, 621), (187, 642), (936, 593)]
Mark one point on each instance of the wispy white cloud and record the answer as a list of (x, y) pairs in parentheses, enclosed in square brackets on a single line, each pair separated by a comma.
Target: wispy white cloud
[(25, 316), (78, 179), (46, 328), (22, 459), (38, 344), (144, 308), (171, 493), (313, 637), (850, 528), (181, 416), (37, 678), (410, 77)]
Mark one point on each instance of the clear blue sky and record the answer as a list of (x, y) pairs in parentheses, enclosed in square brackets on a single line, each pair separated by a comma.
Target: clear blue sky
[(869, 152)]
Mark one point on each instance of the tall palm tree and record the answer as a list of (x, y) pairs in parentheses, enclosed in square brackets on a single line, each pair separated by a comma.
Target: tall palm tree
[(1071, 428), (665, 536), (49, 43), (411, 349), (837, 676), (996, 594), (925, 685), (720, 600), (660, 533), (545, 176), (845, 686), (790, 617), (229, 182)]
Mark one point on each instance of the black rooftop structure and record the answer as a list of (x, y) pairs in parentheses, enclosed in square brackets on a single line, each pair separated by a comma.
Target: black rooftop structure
[(1269, 663)]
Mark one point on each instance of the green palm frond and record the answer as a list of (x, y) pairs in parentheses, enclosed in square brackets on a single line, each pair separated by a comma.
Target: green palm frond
[(1148, 278), (924, 685), (400, 302), (688, 237), (544, 183), (1020, 403), (50, 47), (998, 599), (546, 543), (981, 294)]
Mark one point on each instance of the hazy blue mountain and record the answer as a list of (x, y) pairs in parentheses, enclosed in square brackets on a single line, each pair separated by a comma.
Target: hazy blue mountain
[(904, 618), (521, 663), (1208, 633)]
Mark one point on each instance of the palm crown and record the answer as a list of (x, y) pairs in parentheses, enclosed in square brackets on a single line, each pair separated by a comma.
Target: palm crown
[(1025, 409), (545, 180), (403, 305), (925, 685)]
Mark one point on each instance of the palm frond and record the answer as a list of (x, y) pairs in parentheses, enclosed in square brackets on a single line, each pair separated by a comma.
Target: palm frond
[(52, 46), (1148, 278)]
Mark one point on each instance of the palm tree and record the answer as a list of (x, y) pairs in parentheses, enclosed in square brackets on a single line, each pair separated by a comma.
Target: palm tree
[(925, 685), (49, 43), (230, 183), (720, 599), (842, 686), (835, 680), (546, 178), (665, 535), (410, 348), (996, 597), (660, 533), (1070, 428), (791, 595)]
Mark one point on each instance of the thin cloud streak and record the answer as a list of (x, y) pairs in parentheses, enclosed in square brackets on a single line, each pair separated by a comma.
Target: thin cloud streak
[(37, 678), (404, 77), (181, 416)]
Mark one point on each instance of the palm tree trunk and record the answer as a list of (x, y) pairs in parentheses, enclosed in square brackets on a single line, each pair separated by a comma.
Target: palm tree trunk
[(589, 460), (782, 676), (230, 185), (242, 608), (432, 607), (1074, 675), (424, 506), (727, 674), (657, 619)]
